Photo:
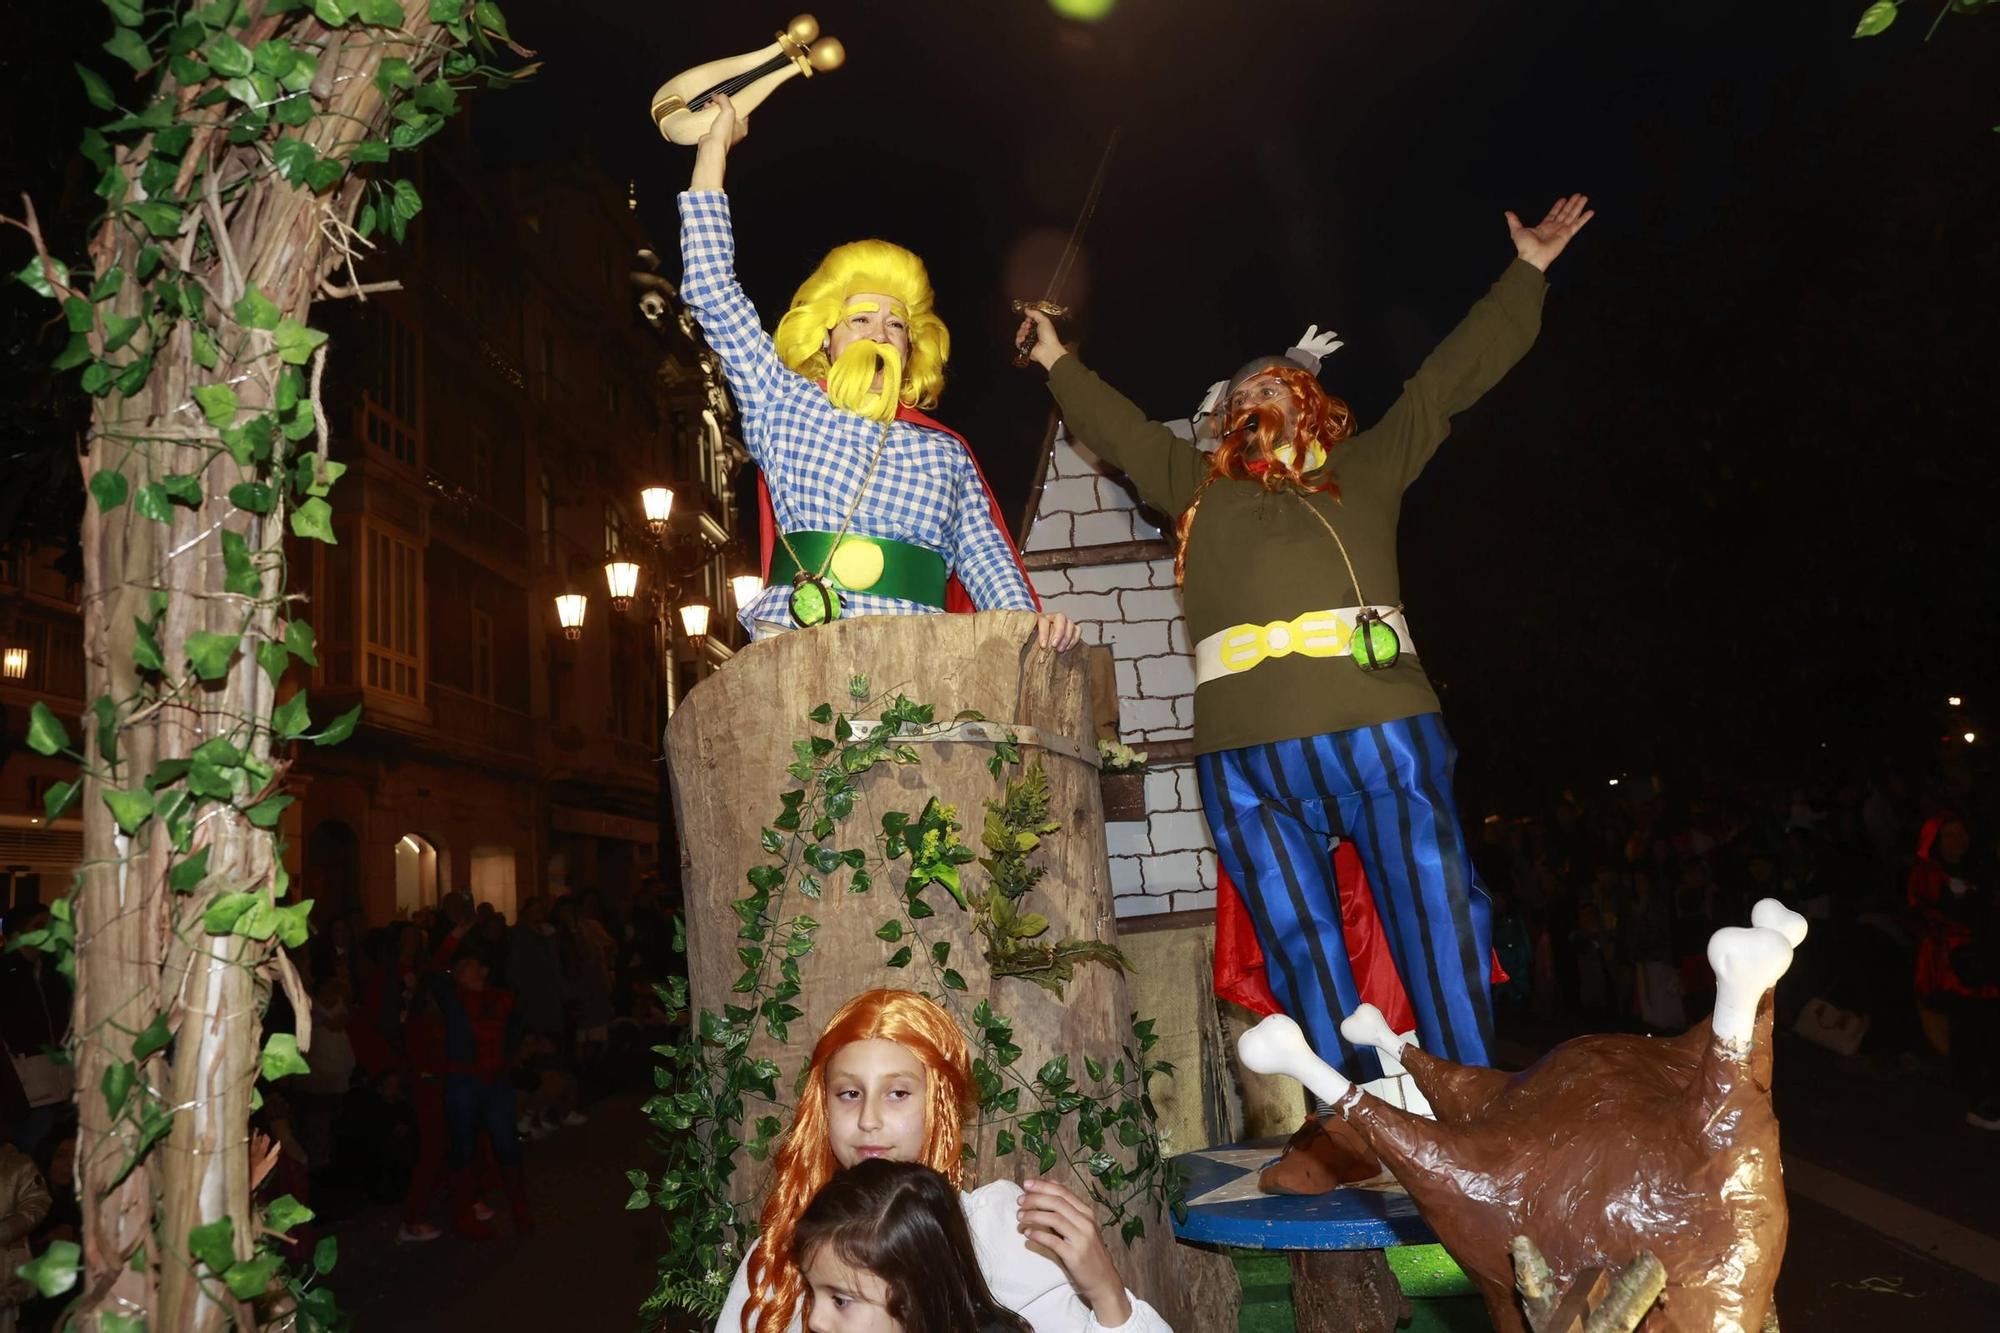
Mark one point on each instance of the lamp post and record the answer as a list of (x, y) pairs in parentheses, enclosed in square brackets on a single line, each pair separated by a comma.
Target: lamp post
[(694, 620), (746, 588), (570, 607), (14, 663), (622, 577), (658, 503)]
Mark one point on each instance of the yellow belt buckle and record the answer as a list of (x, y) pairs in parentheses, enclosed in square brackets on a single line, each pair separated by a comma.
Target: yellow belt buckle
[(1242, 648), (856, 564)]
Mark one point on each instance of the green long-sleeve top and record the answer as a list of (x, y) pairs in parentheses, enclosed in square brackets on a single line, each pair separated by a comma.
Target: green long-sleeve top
[(1256, 556)]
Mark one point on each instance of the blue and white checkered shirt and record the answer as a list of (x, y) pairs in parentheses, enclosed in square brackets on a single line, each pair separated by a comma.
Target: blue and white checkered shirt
[(814, 455)]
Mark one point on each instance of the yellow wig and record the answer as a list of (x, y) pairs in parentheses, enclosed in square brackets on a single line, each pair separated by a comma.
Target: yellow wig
[(821, 302)]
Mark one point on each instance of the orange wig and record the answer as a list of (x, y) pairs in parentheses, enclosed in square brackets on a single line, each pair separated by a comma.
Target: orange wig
[(805, 1161), (1251, 449)]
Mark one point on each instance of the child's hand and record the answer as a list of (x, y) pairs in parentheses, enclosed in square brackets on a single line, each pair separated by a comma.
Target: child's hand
[(1052, 1217)]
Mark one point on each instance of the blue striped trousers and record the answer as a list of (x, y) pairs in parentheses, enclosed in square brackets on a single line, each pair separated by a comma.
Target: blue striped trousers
[(1274, 810)]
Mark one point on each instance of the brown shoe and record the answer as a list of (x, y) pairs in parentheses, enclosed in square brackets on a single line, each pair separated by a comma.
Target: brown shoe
[(1324, 1155)]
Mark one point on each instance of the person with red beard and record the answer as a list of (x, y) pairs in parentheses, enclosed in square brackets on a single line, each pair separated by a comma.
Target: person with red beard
[(875, 508), (1313, 715)]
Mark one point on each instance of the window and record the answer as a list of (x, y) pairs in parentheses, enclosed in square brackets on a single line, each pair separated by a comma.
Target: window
[(394, 580), (482, 654), (614, 530), (389, 407)]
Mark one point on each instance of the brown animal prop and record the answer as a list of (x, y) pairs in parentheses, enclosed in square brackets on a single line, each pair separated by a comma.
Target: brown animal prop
[(1608, 1147)]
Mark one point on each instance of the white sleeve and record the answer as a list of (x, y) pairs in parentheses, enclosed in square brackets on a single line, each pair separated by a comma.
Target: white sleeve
[(1030, 1284), (731, 1318)]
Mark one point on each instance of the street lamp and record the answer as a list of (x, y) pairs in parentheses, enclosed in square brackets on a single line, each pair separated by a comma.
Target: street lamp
[(14, 664), (569, 611), (694, 619), (1971, 736), (622, 576), (658, 502), (746, 588), (1954, 700)]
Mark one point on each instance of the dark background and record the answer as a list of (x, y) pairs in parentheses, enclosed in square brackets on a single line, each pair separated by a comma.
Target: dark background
[(1730, 517)]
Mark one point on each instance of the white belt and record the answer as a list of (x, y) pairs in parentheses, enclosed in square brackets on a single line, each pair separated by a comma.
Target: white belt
[(1232, 651)]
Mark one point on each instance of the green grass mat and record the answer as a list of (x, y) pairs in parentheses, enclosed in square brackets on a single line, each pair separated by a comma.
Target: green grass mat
[(1442, 1298)]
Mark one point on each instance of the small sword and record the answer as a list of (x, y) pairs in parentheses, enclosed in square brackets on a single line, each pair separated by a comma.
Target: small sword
[(1047, 305)]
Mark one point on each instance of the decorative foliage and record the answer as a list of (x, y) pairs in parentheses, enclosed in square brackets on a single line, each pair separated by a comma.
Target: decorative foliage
[(699, 1111), (227, 169), (1116, 757)]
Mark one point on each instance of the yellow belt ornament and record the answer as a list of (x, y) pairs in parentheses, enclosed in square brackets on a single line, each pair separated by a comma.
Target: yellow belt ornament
[(1327, 633)]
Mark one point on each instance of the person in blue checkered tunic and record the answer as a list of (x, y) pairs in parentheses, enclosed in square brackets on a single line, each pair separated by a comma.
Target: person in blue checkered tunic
[(860, 352)]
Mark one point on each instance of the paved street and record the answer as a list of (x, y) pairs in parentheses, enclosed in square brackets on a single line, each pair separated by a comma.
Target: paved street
[(1895, 1220)]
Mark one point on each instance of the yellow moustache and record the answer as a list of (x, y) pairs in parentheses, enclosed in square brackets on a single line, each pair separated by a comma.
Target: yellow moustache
[(850, 382)]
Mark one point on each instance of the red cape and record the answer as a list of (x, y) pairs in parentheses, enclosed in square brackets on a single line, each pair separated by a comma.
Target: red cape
[(956, 599)]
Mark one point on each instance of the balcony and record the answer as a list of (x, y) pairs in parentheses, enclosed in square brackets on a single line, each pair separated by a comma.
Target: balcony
[(470, 720)]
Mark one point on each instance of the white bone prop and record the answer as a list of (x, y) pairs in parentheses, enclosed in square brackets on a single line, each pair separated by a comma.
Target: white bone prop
[(1747, 962), (683, 107), (1276, 1046), (1771, 914), (1367, 1027)]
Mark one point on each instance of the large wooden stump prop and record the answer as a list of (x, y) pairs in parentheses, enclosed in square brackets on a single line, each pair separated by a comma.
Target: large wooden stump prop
[(730, 743)]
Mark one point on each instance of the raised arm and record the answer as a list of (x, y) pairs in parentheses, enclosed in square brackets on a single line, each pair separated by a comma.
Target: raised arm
[(1166, 469), (709, 286), (1494, 334)]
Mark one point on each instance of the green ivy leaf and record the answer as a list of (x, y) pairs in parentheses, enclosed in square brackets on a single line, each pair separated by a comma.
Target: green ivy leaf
[(325, 1254), (146, 648), (129, 808), (253, 496), (368, 150), (55, 1272), (334, 13), (152, 1039), (116, 1086), (57, 800), (218, 403), (281, 1057), (314, 519), (45, 734), (249, 1279), (240, 573), (205, 354), (274, 659), (952, 980), (131, 48), (256, 310), (161, 219), (285, 1213), (900, 958), (118, 330), (1876, 18), (187, 875), (152, 502), (340, 728), (210, 652), (294, 158), (487, 15), (109, 487), (295, 923), (96, 89), (183, 488), (382, 13), (133, 377), (890, 931), (299, 640), (228, 57), (221, 915), (74, 353), (296, 343), (324, 174), (267, 812), (214, 1244)]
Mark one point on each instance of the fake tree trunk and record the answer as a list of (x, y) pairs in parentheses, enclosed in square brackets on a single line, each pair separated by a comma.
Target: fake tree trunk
[(232, 198)]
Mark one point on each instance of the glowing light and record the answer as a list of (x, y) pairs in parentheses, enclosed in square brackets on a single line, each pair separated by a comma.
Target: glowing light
[(1971, 736), (658, 502), (1614, 782), (694, 619), (569, 612), (622, 578), (14, 664), (1954, 700), (1085, 11), (746, 588)]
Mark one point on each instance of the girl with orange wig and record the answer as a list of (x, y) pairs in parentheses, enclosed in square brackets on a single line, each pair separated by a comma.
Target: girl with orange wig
[(891, 1076)]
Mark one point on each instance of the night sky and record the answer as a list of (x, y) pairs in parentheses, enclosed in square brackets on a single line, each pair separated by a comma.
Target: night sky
[(1734, 506)]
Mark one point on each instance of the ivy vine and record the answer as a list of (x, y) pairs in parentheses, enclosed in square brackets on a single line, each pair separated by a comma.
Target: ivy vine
[(187, 329), (703, 1079)]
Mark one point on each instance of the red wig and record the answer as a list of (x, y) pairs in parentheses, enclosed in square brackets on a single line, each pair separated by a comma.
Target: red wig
[(805, 1161), (1251, 439)]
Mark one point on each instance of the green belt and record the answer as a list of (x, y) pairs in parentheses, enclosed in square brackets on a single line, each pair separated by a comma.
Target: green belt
[(911, 573)]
